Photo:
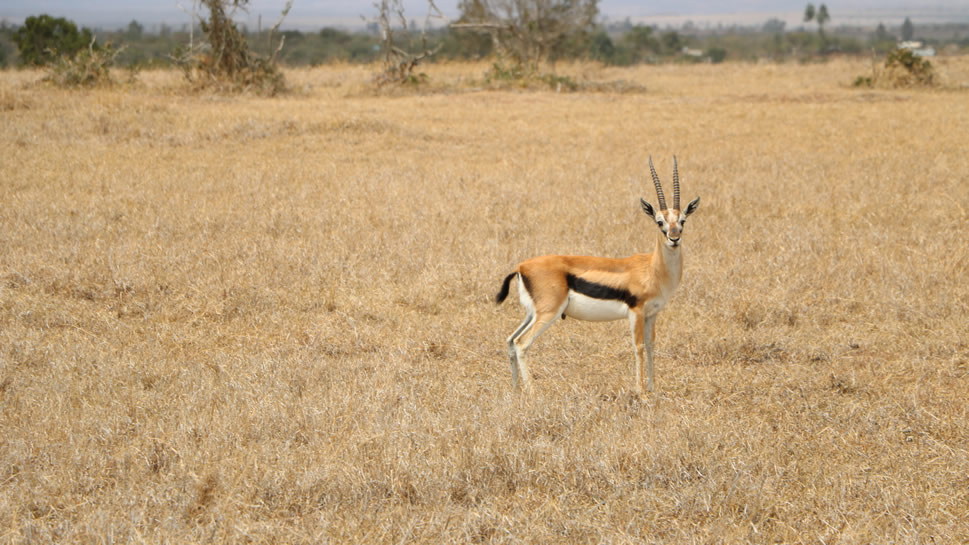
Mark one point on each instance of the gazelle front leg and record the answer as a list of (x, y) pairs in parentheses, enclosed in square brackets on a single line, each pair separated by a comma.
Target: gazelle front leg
[(650, 333), (637, 328)]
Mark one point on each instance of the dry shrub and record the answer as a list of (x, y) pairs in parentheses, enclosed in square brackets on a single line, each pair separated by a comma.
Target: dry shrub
[(902, 68), (397, 43), (89, 67), (225, 63), (505, 76)]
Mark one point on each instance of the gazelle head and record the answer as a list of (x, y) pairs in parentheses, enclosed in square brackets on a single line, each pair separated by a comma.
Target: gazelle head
[(669, 220)]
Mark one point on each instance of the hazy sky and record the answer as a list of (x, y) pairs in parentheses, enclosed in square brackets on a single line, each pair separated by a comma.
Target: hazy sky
[(318, 13)]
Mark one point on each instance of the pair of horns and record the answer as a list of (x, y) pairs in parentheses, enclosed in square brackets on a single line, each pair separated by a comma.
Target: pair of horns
[(659, 188)]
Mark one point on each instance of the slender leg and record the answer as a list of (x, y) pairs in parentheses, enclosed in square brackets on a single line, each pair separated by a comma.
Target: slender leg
[(637, 328), (650, 327), (512, 353), (542, 322)]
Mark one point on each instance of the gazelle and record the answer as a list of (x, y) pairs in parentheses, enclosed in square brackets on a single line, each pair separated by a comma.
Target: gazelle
[(602, 288)]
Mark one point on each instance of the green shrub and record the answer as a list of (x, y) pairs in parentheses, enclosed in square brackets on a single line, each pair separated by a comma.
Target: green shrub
[(43, 39), (717, 54)]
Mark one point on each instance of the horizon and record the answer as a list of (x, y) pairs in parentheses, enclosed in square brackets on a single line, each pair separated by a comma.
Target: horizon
[(316, 14)]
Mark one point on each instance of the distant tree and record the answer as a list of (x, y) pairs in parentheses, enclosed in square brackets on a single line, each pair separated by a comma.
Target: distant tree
[(335, 36), (601, 47), (819, 15), (881, 34), (716, 54), (640, 42), (528, 32), (672, 42), (135, 30), (641, 37), (822, 17), (774, 26), (908, 30), (43, 39)]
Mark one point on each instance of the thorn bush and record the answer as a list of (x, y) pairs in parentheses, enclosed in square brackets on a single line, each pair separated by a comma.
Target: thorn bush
[(902, 68)]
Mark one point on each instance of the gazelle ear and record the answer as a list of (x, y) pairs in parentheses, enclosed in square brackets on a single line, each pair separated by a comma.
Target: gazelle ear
[(648, 208), (690, 208)]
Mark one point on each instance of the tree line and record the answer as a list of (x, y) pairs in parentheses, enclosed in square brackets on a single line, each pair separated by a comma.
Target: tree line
[(569, 29)]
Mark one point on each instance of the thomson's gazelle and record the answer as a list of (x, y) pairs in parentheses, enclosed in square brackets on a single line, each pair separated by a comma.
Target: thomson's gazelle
[(602, 288)]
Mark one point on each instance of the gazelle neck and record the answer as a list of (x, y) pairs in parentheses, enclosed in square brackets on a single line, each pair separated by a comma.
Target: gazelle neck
[(670, 260)]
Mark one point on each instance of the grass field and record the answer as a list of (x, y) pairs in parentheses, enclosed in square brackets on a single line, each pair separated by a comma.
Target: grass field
[(240, 319)]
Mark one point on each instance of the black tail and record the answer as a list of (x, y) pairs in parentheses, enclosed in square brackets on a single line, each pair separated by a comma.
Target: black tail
[(504, 289)]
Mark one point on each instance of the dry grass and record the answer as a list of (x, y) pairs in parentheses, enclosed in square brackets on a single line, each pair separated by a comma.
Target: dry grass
[(271, 320)]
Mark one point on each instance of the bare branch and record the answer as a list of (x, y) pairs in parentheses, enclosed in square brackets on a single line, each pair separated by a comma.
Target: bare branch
[(399, 61), (275, 27)]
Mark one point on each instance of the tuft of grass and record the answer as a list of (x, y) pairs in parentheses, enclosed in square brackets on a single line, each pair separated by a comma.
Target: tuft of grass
[(519, 76)]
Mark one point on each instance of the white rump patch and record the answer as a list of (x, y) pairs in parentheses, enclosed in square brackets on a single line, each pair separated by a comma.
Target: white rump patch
[(524, 298), (590, 309)]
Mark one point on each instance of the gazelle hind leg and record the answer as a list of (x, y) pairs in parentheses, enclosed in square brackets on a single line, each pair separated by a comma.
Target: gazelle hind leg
[(522, 342), (513, 353)]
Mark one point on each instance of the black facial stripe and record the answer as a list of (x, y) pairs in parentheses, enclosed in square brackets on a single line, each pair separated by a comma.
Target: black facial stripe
[(599, 291)]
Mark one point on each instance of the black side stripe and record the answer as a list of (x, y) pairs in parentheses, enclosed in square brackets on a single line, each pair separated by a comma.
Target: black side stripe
[(599, 291)]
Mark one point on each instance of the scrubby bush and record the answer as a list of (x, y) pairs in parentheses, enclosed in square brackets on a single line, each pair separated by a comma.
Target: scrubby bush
[(902, 68), (516, 76), (225, 62), (88, 68)]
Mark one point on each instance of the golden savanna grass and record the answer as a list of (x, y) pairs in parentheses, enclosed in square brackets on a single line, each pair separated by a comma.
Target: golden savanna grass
[(243, 319)]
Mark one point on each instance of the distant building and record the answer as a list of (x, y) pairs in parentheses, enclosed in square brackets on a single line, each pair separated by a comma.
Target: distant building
[(690, 52), (917, 48)]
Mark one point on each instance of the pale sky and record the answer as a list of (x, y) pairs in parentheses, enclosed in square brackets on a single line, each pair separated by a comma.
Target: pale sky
[(311, 14)]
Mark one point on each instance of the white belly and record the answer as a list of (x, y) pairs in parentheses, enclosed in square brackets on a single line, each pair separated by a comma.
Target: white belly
[(583, 307)]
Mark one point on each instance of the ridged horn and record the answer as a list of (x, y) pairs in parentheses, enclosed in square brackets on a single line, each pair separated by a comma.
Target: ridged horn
[(676, 186), (659, 188)]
